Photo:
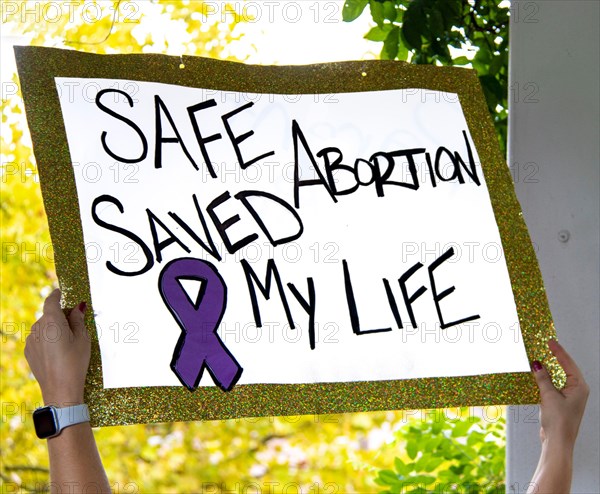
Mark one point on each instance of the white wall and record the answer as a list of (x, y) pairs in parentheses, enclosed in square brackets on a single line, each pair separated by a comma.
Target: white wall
[(553, 144)]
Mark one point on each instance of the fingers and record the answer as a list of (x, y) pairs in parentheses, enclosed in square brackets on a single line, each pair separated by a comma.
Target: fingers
[(52, 302), (575, 381), (564, 359), (543, 379), (77, 320)]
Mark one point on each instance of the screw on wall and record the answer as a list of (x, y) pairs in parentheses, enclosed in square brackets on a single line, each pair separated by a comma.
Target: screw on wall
[(564, 236)]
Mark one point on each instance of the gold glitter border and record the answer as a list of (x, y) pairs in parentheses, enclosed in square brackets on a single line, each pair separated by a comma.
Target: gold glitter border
[(37, 69)]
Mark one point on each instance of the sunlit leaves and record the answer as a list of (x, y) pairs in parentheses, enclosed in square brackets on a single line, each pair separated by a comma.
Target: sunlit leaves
[(448, 454), (428, 28)]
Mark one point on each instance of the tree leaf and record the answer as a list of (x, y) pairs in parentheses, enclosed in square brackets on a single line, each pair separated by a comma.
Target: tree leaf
[(377, 12), (458, 469), (460, 429), (474, 438), (389, 11), (384, 54), (378, 33), (461, 61), (412, 449), (451, 11), (433, 463), (492, 89), (391, 42), (401, 468), (387, 477), (442, 52), (402, 51), (436, 23), (432, 443), (437, 426), (352, 9), (423, 479), (414, 24)]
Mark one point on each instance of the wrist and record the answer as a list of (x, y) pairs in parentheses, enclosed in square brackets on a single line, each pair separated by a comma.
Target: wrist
[(50, 421), (62, 399), (557, 450)]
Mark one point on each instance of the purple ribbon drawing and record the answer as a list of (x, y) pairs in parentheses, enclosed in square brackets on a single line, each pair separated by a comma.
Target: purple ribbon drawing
[(199, 345)]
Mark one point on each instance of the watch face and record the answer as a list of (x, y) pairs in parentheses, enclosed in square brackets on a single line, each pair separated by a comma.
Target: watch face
[(45, 425)]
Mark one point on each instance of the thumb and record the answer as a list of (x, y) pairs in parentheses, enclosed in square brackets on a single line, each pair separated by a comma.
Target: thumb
[(542, 378), (77, 320)]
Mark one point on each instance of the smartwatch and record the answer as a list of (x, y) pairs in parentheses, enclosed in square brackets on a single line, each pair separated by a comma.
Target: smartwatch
[(50, 420)]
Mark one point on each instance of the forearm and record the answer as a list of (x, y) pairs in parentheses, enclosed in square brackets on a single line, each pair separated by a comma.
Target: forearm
[(554, 471), (60, 364), (75, 464)]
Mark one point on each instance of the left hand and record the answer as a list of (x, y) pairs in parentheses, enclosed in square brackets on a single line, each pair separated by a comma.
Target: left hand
[(58, 352)]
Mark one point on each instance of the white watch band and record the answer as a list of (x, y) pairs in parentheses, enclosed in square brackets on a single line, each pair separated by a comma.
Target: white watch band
[(71, 415)]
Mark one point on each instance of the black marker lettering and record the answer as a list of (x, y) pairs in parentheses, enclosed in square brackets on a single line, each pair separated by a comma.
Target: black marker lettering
[(160, 105), (298, 135), (408, 300), (243, 196), (381, 179), (437, 297), (456, 168), (354, 319), (122, 119), (392, 302), (202, 141), (309, 307), (471, 169), (113, 228), (430, 168), (158, 245), (222, 226), (336, 165), (252, 279), (357, 174), (212, 250), (237, 140)]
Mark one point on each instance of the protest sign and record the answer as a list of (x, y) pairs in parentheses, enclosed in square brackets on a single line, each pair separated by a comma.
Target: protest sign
[(283, 240)]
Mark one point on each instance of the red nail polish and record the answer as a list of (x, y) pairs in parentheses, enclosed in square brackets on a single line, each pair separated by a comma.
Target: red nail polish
[(82, 307), (536, 365)]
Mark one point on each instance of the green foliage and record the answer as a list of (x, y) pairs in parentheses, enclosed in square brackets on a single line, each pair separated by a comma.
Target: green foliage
[(448, 454), (424, 31)]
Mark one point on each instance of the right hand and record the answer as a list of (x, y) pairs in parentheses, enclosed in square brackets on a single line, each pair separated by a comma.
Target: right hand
[(561, 411)]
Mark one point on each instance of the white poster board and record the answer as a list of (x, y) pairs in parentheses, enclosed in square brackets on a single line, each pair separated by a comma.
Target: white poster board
[(364, 197)]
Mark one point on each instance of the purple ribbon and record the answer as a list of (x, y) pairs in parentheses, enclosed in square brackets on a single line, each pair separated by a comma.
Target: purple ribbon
[(199, 345)]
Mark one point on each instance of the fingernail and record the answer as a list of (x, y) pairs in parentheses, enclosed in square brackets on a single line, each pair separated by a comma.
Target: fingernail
[(82, 307), (536, 365)]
